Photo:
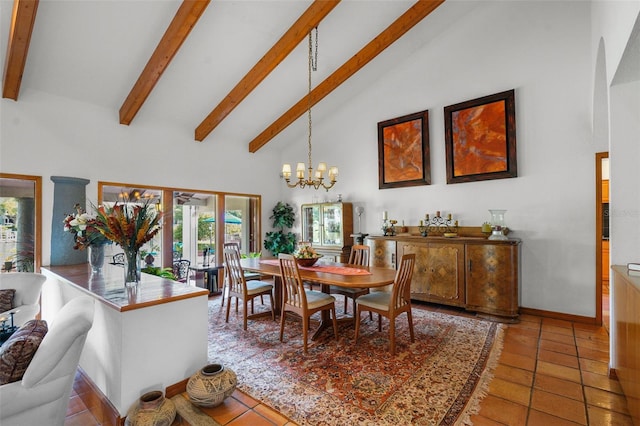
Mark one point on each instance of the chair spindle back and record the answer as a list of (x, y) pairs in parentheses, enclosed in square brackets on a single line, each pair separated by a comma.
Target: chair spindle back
[(359, 255), (233, 270), (401, 294), (293, 290)]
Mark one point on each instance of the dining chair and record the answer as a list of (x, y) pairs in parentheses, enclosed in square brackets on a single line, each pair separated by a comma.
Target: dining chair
[(300, 301), (247, 275), (225, 280), (240, 288), (359, 256), (390, 305)]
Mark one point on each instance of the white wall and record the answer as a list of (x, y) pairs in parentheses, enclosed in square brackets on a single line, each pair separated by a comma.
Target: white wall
[(624, 158), (49, 136), (542, 49)]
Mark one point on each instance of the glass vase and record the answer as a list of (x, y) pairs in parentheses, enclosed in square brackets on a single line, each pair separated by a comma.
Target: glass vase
[(497, 225), (96, 257), (131, 268)]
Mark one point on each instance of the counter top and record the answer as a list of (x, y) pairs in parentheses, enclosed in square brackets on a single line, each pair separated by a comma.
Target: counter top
[(108, 286), (632, 278)]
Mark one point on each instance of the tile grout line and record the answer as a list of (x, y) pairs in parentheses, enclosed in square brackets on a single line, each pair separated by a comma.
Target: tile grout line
[(582, 386), (535, 369)]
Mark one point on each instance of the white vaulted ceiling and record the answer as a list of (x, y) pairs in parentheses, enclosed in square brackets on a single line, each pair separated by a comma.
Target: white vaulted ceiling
[(93, 51)]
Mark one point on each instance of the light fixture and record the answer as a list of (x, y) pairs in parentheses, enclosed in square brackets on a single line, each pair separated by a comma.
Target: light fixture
[(317, 179)]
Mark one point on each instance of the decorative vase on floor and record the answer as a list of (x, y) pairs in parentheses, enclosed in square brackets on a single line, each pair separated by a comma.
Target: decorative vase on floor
[(131, 268), (210, 386), (96, 257), (152, 409)]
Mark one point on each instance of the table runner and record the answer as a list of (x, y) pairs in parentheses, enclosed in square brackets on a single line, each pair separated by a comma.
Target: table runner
[(330, 269)]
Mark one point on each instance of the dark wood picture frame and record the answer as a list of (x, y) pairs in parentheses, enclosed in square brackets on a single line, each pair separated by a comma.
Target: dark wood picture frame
[(403, 151), (480, 138)]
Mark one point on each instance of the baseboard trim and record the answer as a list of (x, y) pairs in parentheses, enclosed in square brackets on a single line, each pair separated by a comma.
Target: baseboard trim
[(176, 389), (97, 402), (559, 315)]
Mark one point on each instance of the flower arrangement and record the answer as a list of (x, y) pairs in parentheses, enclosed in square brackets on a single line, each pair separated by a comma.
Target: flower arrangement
[(129, 226), (84, 228), (306, 252)]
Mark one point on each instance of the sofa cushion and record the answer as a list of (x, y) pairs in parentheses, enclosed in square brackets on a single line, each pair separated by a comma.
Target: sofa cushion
[(6, 299), (16, 353)]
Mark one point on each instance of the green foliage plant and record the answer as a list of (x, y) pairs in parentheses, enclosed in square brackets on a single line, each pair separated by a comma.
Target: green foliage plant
[(280, 241), (160, 272)]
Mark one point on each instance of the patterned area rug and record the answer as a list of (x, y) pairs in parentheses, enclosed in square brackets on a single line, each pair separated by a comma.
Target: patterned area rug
[(438, 380)]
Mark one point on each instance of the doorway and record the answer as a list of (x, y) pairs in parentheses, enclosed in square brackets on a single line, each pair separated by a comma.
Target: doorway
[(20, 222), (602, 239)]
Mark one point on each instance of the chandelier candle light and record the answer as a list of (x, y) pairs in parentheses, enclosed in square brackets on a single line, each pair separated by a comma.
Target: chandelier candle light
[(317, 179)]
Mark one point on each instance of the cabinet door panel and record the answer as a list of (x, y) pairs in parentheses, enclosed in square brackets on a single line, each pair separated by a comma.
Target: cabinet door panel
[(383, 253), (492, 279), (332, 225), (438, 274), (311, 224), (445, 268)]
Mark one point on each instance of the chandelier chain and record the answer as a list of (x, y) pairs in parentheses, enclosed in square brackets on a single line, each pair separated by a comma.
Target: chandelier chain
[(315, 181), (310, 67)]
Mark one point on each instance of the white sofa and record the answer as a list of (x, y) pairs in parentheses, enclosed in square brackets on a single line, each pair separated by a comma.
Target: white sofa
[(42, 396), (26, 299)]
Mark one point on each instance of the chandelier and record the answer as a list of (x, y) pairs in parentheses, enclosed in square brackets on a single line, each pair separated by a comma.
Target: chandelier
[(313, 179)]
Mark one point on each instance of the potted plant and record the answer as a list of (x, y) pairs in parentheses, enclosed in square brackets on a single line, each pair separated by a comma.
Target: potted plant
[(280, 242)]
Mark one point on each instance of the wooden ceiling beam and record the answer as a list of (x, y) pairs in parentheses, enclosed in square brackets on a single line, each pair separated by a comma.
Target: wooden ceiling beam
[(22, 21), (393, 32), (177, 32), (294, 35)]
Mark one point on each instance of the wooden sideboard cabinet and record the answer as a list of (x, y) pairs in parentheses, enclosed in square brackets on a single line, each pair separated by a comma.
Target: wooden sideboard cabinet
[(473, 273), (328, 227)]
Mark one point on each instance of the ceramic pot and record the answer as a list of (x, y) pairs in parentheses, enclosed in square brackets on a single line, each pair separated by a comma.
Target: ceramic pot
[(211, 385), (152, 409)]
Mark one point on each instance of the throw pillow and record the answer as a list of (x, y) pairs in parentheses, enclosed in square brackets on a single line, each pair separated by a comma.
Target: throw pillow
[(6, 299), (17, 352)]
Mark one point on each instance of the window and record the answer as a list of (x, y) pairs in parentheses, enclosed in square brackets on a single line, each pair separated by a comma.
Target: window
[(190, 227)]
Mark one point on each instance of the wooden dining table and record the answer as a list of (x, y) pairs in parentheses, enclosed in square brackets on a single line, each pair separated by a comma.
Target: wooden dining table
[(326, 274)]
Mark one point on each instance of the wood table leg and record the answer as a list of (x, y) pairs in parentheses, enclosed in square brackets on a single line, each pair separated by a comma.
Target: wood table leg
[(325, 318)]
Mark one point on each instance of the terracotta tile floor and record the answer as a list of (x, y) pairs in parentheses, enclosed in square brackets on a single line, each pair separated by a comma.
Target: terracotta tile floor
[(551, 372)]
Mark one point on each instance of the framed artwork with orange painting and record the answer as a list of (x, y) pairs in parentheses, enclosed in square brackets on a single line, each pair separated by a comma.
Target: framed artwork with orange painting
[(480, 139), (403, 151)]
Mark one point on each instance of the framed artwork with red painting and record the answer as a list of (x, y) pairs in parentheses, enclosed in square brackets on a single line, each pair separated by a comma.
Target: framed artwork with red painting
[(480, 139), (403, 151)]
